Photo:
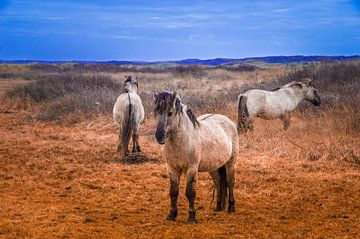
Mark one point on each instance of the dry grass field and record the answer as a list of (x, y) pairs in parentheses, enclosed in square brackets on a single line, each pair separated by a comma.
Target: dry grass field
[(60, 175)]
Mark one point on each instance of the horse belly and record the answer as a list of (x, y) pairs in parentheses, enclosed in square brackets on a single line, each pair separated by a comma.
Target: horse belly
[(272, 109), (214, 154)]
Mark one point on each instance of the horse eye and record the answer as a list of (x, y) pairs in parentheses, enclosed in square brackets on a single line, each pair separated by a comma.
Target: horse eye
[(169, 114)]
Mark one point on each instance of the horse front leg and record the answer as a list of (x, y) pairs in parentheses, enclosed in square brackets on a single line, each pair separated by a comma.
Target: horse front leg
[(191, 176), (286, 120), (174, 193)]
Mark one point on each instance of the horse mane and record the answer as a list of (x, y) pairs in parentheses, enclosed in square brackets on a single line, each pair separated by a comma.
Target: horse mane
[(277, 88), (163, 103), (128, 79), (192, 117), (131, 80)]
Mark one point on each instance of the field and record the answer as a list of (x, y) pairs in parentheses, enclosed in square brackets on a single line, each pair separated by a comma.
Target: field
[(60, 175)]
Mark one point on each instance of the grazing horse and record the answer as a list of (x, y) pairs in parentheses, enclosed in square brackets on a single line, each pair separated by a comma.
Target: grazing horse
[(191, 145), (279, 103), (128, 112)]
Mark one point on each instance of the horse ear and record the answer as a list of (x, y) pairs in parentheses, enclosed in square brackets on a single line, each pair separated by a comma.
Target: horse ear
[(174, 95), (173, 99)]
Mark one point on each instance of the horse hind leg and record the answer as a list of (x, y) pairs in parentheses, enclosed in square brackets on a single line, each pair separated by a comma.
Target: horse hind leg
[(230, 181), (250, 125), (136, 145), (217, 182), (119, 145)]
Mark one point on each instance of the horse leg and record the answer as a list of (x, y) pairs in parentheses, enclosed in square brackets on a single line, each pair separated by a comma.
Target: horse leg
[(191, 176), (136, 146), (119, 145), (286, 120), (174, 193), (250, 125), (216, 178), (230, 180)]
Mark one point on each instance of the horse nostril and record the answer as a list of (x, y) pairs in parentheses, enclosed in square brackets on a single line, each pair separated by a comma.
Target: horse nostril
[(160, 137)]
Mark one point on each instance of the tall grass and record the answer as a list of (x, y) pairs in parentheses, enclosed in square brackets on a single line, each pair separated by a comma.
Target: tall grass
[(203, 89), (68, 93)]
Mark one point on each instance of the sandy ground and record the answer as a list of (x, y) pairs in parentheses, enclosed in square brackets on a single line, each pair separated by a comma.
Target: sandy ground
[(60, 181)]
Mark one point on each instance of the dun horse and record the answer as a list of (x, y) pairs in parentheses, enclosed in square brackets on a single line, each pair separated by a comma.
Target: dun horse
[(279, 103), (191, 145), (128, 112)]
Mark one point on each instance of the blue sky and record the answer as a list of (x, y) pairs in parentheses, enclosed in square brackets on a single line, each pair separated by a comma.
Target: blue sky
[(171, 30)]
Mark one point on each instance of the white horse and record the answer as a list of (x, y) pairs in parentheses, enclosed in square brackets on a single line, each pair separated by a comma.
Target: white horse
[(279, 103), (207, 144), (128, 112)]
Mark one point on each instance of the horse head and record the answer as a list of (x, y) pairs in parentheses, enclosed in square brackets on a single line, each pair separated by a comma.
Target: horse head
[(307, 87), (130, 85), (311, 93), (167, 109)]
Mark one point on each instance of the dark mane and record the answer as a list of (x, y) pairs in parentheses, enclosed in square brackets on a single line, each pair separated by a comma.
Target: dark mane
[(192, 117), (277, 88), (128, 79), (163, 103)]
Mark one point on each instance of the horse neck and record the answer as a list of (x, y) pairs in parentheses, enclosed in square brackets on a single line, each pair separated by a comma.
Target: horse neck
[(297, 96), (184, 132), (133, 90)]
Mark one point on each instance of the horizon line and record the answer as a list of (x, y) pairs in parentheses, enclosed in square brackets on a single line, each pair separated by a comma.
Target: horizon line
[(183, 59)]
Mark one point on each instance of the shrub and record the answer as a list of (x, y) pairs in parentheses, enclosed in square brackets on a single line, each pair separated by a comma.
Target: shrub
[(189, 70), (56, 86)]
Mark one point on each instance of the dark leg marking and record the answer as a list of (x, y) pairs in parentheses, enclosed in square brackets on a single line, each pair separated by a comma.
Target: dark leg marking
[(191, 195), (174, 193)]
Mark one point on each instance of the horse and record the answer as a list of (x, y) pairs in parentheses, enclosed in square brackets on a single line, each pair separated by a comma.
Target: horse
[(279, 103), (129, 113), (191, 145)]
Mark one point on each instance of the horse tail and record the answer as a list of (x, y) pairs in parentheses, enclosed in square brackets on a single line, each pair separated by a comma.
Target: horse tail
[(223, 186), (243, 114), (128, 125)]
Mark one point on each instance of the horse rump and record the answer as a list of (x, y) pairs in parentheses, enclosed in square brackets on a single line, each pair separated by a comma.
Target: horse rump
[(243, 114)]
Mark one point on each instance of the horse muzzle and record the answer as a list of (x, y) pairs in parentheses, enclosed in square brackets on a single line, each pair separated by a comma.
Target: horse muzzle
[(316, 101), (160, 138)]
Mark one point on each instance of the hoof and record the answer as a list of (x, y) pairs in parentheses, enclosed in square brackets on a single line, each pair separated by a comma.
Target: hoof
[(192, 219), (231, 208), (218, 207), (172, 216)]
